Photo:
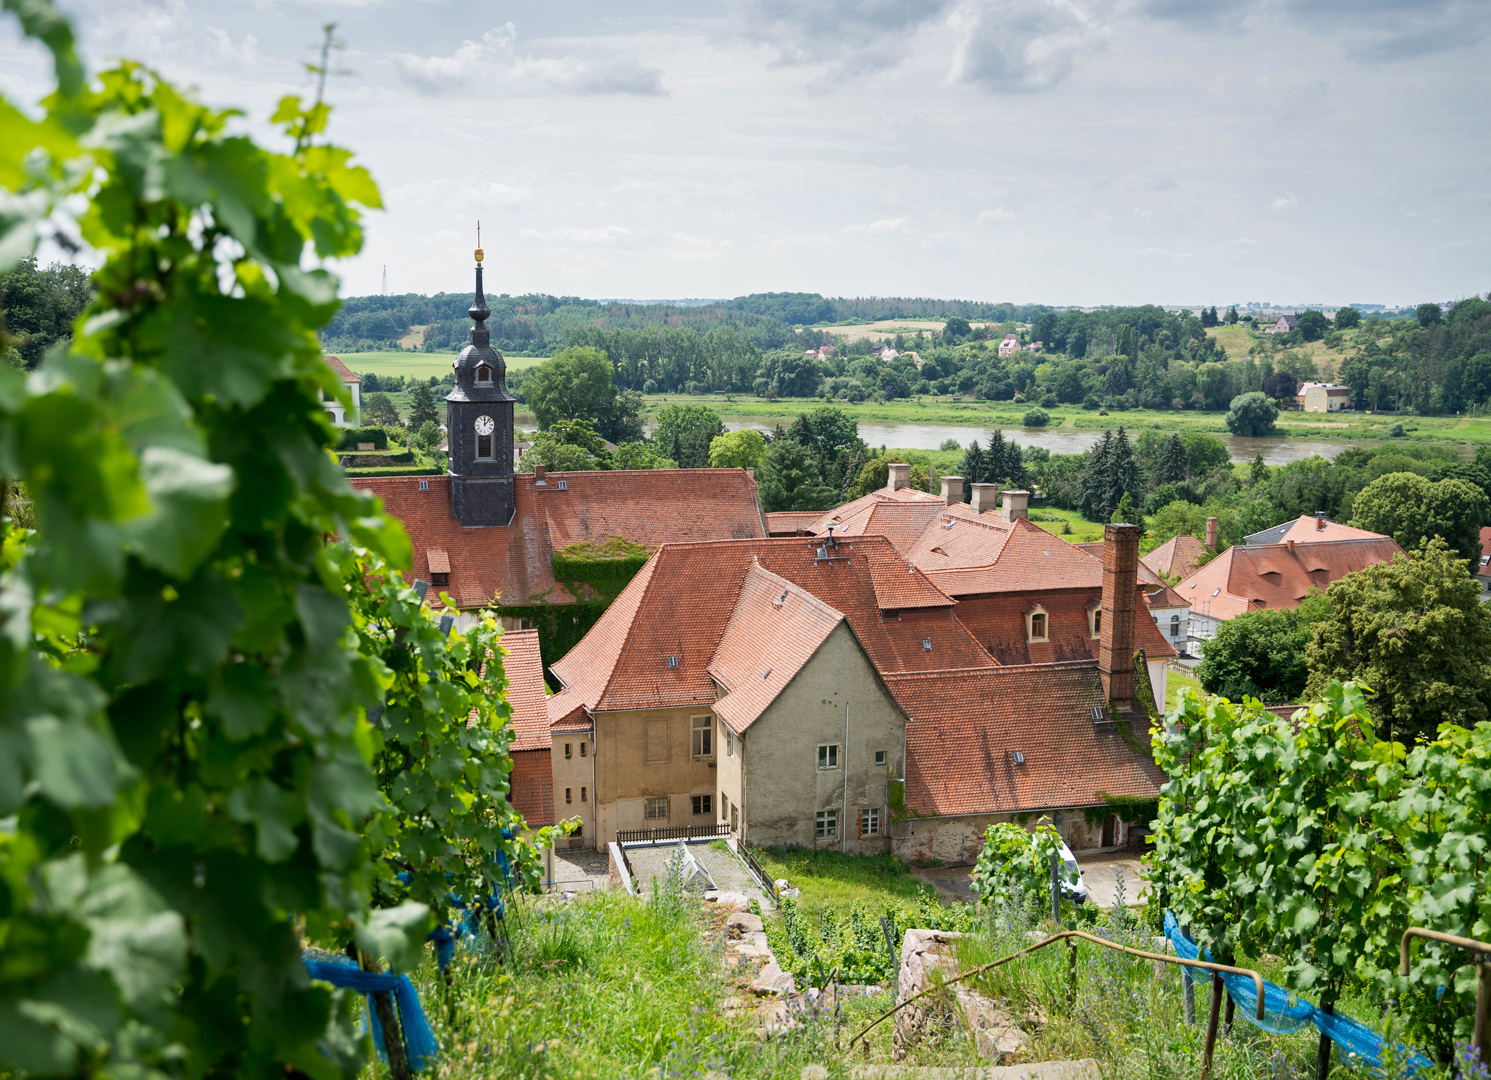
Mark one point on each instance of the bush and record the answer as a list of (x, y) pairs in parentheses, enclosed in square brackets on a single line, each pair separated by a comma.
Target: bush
[(1091, 402), (350, 437), (1035, 418), (1396, 431), (949, 444)]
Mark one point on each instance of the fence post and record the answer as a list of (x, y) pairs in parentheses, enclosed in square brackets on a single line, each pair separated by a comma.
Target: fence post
[(1055, 891), (1323, 1055), (393, 1035), (1211, 1023), (1071, 967)]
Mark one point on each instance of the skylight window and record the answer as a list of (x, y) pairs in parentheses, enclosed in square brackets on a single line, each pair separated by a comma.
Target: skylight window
[(673, 661)]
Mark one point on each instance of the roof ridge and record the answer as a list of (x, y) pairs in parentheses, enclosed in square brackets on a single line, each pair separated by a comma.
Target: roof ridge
[(1055, 665)]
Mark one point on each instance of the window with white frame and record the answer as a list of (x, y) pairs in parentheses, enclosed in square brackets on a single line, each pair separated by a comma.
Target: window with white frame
[(657, 809), (703, 731), (827, 825), (869, 821), (1036, 625), (828, 756), (879, 759), (1095, 622)]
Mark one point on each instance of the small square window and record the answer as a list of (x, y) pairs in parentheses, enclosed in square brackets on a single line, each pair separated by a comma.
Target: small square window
[(879, 759), (703, 804), (564, 485), (869, 822), (567, 798), (828, 756), (827, 825), (424, 485), (584, 794), (657, 809)]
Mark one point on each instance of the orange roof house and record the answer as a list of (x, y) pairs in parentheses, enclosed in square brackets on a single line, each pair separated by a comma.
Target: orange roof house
[(531, 778), (1310, 529), (1250, 577), (1177, 556)]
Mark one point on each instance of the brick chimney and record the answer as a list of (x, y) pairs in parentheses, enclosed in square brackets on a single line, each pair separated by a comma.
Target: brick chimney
[(952, 490), (900, 476), (984, 496), (1016, 504), (538, 474), (1211, 533), (1319, 520), (1120, 587)]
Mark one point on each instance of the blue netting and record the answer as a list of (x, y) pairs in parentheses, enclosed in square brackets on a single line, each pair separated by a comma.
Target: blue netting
[(468, 923), (419, 1040), (1283, 1013)]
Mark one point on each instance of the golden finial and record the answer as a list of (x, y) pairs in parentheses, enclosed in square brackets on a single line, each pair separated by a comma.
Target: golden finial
[(479, 252)]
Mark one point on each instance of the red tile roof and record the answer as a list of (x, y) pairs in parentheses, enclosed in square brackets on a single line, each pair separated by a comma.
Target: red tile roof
[(791, 522), (681, 604), (775, 629), (866, 502), (966, 725), (1484, 569), (343, 371), (525, 690), (1307, 530), (1178, 555), (650, 506), (967, 555), (1250, 577), (997, 622), (900, 521), (532, 792), (647, 507)]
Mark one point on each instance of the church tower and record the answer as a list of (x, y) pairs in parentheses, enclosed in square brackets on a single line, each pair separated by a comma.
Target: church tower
[(479, 423)]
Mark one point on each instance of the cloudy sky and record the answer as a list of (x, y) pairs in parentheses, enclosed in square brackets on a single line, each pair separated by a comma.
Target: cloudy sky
[(1056, 151)]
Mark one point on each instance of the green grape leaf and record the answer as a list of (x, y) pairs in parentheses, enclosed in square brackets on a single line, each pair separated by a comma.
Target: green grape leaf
[(397, 934), (273, 812)]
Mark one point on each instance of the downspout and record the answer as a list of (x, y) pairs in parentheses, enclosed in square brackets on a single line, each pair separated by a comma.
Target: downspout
[(844, 828)]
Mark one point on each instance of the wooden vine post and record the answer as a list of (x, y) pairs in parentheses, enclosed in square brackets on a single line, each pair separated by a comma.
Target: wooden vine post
[(393, 1035)]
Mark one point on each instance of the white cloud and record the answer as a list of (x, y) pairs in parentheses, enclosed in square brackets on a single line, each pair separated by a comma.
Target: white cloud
[(1242, 241), (1162, 253), (1143, 215), (882, 227), (461, 193), (495, 59), (1019, 46), (247, 53), (829, 31), (998, 214), (1286, 201)]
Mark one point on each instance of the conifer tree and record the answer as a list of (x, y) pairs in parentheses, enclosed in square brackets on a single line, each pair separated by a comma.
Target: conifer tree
[(1175, 463), (422, 408), (973, 468)]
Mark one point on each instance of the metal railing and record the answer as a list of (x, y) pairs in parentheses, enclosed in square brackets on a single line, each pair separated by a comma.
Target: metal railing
[(1071, 937), (1480, 1037), (673, 832), (756, 868)]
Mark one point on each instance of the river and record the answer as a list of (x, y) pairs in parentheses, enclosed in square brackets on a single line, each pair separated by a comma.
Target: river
[(931, 436)]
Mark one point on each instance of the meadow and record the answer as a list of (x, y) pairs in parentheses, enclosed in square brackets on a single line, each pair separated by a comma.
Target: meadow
[(418, 365)]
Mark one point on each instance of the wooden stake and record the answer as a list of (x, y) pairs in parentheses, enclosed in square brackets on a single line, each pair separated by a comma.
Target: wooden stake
[(1211, 1023), (393, 1037)]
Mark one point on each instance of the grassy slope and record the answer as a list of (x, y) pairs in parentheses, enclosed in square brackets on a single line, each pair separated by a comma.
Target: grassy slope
[(1175, 680), (831, 880)]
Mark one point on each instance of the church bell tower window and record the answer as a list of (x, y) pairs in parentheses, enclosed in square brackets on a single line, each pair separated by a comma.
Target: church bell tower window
[(483, 373), (484, 428)]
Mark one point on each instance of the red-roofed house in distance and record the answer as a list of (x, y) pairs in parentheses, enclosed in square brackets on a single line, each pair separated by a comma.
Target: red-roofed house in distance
[(488, 536), (341, 416), (739, 682), (1483, 571)]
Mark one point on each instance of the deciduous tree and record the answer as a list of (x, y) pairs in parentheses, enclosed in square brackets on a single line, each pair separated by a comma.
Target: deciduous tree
[(1252, 414), (1412, 509)]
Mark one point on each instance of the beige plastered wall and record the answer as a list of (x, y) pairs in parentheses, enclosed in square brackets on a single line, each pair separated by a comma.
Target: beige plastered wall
[(783, 788), (575, 774), (625, 779)]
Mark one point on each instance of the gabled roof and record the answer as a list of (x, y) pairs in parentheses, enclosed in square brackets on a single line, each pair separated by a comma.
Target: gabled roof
[(966, 726), (1307, 530), (775, 629), (343, 371), (649, 506), (1178, 555), (525, 690), (1484, 569), (654, 645), (1250, 577), (646, 507), (901, 521), (865, 502), (997, 622), (967, 554)]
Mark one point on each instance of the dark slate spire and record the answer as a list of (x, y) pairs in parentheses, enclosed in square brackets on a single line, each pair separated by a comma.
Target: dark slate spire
[(480, 336)]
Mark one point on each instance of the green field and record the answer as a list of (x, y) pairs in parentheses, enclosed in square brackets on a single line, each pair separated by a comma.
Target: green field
[(417, 364)]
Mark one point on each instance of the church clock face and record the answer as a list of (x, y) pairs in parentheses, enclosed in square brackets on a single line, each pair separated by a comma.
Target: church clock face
[(484, 425)]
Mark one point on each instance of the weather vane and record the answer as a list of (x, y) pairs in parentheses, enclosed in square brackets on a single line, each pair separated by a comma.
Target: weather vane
[(478, 242)]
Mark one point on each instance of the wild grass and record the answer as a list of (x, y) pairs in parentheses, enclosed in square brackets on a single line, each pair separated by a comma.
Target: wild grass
[(1175, 681), (830, 880)]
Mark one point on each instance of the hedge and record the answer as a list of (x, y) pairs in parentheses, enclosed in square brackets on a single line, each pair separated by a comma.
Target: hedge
[(350, 437), (398, 470)]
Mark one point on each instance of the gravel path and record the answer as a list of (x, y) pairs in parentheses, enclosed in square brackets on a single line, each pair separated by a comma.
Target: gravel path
[(649, 861)]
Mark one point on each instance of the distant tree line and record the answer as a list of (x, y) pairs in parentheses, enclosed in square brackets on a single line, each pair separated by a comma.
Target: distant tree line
[(37, 309)]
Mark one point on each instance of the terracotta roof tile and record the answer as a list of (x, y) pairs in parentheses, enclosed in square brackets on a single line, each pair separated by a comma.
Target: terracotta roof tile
[(899, 521), (1250, 577), (1178, 555), (1308, 530), (525, 690), (967, 555), (775, 629), (791, 522), (998, 624), (512, 562), (865, 502), (650, 506), (343, 371), (966, 726), (684, 606), (532, 792), (1484, 569), (437, 560)]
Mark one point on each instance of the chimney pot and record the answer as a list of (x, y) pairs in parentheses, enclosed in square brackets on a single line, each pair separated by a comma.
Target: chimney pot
[(983, 497), (900, 476), (1290, 545), (751, 471), (538, 474), (1319, 520), (1120, 589), (952, 490), (1211, 533), (1016, 504)]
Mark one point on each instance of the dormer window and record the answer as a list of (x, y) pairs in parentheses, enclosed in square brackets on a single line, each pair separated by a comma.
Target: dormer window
[(1095, 622), (483, 373), (1036, 625), (484, 428)]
